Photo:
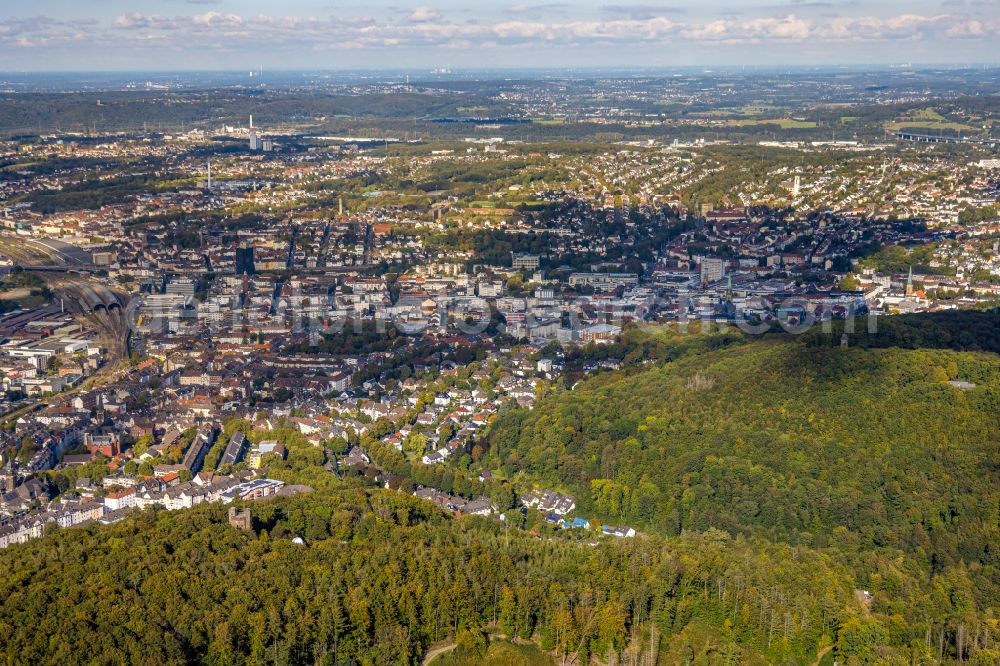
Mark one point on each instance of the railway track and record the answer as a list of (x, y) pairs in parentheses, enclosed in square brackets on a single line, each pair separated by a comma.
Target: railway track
[(110, 323)]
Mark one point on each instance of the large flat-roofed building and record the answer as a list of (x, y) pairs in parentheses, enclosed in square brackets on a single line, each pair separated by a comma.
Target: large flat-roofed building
[(524, 262), (603, 280), (256, 456)]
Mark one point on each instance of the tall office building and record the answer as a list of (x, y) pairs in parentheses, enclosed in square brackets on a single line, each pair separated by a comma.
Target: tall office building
[(244, 259), (712, 270), (254, 137)]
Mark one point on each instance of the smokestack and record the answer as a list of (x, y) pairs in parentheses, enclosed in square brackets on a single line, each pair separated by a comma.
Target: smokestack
[(210, 174), (340, 203), (251, 121)]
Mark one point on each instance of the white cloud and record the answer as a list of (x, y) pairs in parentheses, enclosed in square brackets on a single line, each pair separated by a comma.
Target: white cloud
[(839, 29), (427, 28), (974, 29), (134, 20), (422, 14), (216, 19)]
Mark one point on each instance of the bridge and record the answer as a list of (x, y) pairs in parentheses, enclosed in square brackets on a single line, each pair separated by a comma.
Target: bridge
[(932, 138)]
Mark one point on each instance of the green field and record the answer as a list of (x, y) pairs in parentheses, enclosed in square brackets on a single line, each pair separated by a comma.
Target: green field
[(783, 123), (500, 653), (899, 125), (927, 119), (926, 114), (757, 109)]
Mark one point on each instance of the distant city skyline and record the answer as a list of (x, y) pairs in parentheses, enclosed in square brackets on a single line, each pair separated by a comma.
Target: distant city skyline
[(119, 35)]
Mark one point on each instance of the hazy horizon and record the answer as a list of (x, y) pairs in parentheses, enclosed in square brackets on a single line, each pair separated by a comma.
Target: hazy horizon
[(666, 69), (226, 35)]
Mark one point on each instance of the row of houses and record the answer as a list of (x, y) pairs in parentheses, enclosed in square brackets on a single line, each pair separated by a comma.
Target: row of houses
[(85, 509), (557, 506), (480, 506)]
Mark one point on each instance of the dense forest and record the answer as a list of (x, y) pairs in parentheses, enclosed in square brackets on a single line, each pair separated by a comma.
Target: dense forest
[(381, 576), (958, 330), (869, 455)]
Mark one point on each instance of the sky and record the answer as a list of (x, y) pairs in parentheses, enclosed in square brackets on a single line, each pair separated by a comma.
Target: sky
[(177, 35)]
